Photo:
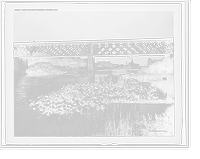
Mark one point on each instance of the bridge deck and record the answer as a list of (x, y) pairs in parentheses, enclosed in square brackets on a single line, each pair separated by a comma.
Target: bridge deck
[(95, 48)]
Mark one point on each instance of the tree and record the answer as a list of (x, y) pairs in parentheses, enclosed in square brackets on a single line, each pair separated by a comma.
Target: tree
[(104, 64), (162, 66), (159, 66)]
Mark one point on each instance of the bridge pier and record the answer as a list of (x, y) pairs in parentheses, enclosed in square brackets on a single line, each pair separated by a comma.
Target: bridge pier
[(20, 65), (91, 77), (91, 66)]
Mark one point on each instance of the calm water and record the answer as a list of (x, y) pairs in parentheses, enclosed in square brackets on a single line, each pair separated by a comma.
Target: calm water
[(31, 123)]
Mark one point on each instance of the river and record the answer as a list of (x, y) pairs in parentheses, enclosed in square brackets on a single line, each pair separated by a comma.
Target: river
[(32, 123)]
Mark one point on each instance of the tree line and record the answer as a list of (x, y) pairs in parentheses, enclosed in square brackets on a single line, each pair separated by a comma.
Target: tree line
[(104, 64), (166, 65)]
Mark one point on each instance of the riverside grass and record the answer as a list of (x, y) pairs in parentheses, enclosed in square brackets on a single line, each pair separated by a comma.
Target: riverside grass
[(123, 120), (113, 121), (47, 68)]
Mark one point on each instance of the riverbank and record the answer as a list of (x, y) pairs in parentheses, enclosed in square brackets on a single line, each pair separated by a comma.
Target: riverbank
[(146, 77), (47, 68)]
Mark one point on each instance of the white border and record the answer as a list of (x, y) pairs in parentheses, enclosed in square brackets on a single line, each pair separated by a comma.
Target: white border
[(9, 87)]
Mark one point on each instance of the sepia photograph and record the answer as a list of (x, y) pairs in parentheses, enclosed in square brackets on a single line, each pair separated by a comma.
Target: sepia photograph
[(95, 74)]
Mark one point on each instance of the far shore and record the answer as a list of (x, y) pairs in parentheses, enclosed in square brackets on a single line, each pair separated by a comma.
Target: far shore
[(98, 68)]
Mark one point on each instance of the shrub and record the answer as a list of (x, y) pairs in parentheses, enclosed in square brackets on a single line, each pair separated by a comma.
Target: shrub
[(43, 68)]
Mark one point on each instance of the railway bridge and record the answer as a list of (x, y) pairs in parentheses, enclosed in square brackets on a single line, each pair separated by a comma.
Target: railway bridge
[(93, 49)]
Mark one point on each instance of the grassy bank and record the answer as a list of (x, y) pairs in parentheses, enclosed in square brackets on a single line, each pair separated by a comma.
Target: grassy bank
[(47, 68), (43, 68)]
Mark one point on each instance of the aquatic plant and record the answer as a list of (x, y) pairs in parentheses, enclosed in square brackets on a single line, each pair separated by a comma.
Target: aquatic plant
[(80, 98)]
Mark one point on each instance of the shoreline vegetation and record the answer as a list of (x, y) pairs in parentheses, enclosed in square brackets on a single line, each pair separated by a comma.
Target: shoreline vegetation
[(148, 77), (120, 120), (48, 69), (160, 70)]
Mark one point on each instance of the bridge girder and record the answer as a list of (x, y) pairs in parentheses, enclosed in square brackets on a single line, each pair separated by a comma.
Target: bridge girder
[(95, 48)]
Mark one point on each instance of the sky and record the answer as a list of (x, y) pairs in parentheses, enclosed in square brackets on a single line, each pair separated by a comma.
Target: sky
[(93, 22)]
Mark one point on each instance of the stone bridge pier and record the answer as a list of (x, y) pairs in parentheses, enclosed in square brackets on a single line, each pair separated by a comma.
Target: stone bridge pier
[(20, 65), (91, 65)]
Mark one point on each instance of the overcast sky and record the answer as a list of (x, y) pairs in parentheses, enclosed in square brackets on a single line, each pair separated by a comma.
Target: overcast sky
[(93, 22)]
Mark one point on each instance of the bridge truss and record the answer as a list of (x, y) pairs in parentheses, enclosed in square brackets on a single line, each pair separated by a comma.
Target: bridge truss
[(95, 48)]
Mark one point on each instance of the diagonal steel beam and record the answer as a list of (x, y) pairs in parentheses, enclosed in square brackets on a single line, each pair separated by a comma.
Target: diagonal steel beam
[(66, 46), (85, 51), (117, 45), (76, 50), (128, 49), (122, 48), (98, 49)]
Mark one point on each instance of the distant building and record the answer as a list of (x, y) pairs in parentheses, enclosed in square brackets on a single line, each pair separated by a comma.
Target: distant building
[(133, 65)]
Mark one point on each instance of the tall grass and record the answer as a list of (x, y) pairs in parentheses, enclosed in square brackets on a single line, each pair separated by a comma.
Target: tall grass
[(141, 125), (160, 125), (122, 120), (116, 120)]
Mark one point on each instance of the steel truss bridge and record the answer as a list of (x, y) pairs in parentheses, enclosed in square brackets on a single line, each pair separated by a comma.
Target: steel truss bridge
[(95, 48)]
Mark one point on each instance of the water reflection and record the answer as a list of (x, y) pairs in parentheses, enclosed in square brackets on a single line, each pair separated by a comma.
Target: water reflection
[(91, 76), (30, 87)]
